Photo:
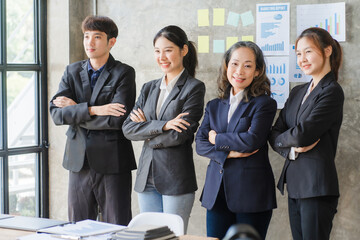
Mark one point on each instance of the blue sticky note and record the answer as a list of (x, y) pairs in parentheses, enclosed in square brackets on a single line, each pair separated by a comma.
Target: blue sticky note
[(247, 18), (219, 46), (233, 19)]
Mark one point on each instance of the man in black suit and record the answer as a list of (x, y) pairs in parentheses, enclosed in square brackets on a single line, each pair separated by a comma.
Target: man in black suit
[(94, 98)]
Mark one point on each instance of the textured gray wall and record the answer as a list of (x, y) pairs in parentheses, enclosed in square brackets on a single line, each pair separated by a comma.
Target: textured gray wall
[(138, 21)]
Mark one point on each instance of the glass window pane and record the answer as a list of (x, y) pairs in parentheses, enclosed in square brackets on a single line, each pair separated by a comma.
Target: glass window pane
[(21, 109), (1, 116), (20, 31), (1, 179), (22, 200)]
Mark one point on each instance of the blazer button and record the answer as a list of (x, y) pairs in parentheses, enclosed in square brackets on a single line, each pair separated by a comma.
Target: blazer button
[(221, 171), (279, 144)]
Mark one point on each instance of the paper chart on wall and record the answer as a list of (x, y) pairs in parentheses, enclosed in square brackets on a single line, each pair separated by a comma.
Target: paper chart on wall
[(330, 17), (278, 73), (273, 28)]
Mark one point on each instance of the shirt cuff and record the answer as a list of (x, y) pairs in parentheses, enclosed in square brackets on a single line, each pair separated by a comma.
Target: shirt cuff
[(292, 154)]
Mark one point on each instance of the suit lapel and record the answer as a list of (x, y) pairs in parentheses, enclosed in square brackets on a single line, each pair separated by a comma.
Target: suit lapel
[(102, 79), (152, 99), (326, 80), (234, 120), (98, 86), (299, 108), (85, 82), (174, 92), (223, 115)]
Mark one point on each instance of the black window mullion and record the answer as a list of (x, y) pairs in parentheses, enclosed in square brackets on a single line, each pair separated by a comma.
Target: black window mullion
[(4, 163), (41, 54)]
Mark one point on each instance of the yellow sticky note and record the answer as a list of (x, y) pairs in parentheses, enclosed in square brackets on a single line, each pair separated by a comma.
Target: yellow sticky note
[(230, 41), (203, 44), (247, 38), (219, 16), (203, 17)]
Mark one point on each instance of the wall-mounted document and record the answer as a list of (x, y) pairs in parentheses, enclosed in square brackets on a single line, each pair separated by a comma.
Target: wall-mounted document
[(330, 17), (277, 70), (273, 28)]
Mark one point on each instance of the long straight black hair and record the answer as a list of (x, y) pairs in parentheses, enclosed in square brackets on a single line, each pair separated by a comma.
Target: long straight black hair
[(176, 35)]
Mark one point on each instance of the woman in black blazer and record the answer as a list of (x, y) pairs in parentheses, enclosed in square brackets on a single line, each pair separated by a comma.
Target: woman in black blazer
[(239, 185), (166, 116), (306, 134)]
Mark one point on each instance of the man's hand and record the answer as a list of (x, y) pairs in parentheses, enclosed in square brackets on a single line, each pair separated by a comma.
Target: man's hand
[(137, 116), (111, 109), (305, 149), (234, 154), (61, 102), (177, 123)]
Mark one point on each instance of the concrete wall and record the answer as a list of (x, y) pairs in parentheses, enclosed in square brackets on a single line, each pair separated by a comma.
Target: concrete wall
[(138, 21)]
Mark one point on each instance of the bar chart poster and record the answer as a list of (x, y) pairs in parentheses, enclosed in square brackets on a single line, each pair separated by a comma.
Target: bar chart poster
[(295, 73), (277, 70), (330, 17), (273, 28)]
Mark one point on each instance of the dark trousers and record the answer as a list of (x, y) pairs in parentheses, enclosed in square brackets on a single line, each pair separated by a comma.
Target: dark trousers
[(311, 218), (220, 218), (90, 192)]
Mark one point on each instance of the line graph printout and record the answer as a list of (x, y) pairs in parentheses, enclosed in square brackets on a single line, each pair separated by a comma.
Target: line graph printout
[(277, 70), (273, 28), (330, 17)]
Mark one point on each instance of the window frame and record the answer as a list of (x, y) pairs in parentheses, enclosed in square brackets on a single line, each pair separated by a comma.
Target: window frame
[(41, 113)]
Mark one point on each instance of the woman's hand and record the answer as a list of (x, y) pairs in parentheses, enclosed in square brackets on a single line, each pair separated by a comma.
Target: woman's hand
[(234, 154), (177, 123), (137, 116), (212, 136), (305, 149)]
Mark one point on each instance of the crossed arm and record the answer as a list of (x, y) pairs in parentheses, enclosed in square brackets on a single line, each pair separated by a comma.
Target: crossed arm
[(111, 109)]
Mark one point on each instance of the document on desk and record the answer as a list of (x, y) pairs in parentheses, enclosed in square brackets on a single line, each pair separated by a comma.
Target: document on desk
[(3, 216), (82, 229), (46, 236)]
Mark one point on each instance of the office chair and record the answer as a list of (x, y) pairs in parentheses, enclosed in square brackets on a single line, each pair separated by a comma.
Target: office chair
[(241, 232), (173, 221)]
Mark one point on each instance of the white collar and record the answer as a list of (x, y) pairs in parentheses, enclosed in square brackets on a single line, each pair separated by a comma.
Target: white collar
[(236, 98), (171, 83)]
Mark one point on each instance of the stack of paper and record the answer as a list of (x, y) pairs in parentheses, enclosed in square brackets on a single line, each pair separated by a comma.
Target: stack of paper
[(145, 232)]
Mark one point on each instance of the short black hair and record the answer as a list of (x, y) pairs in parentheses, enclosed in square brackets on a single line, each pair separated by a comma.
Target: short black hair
[(102, 24)]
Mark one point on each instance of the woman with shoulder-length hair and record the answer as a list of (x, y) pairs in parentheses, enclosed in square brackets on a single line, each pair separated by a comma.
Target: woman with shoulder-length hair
[(166, 116), (306, 135), (239, 185)]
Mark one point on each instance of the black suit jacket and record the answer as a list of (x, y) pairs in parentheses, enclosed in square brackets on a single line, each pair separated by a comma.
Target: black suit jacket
[(169, 152), (248, 182), (100, 138), (313, 173)]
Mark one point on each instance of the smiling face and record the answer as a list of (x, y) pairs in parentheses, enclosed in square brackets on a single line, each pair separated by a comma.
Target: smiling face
[(169, 57), (241, 69), (311, 60), (97, 46)]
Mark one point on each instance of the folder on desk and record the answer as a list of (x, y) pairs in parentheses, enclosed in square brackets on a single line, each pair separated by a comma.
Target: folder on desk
[(83, 228), (28, 223), (3, 216)]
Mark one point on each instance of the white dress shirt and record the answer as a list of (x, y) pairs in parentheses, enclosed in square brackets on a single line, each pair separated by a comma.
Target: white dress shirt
[(165, 91), (234, 102)]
